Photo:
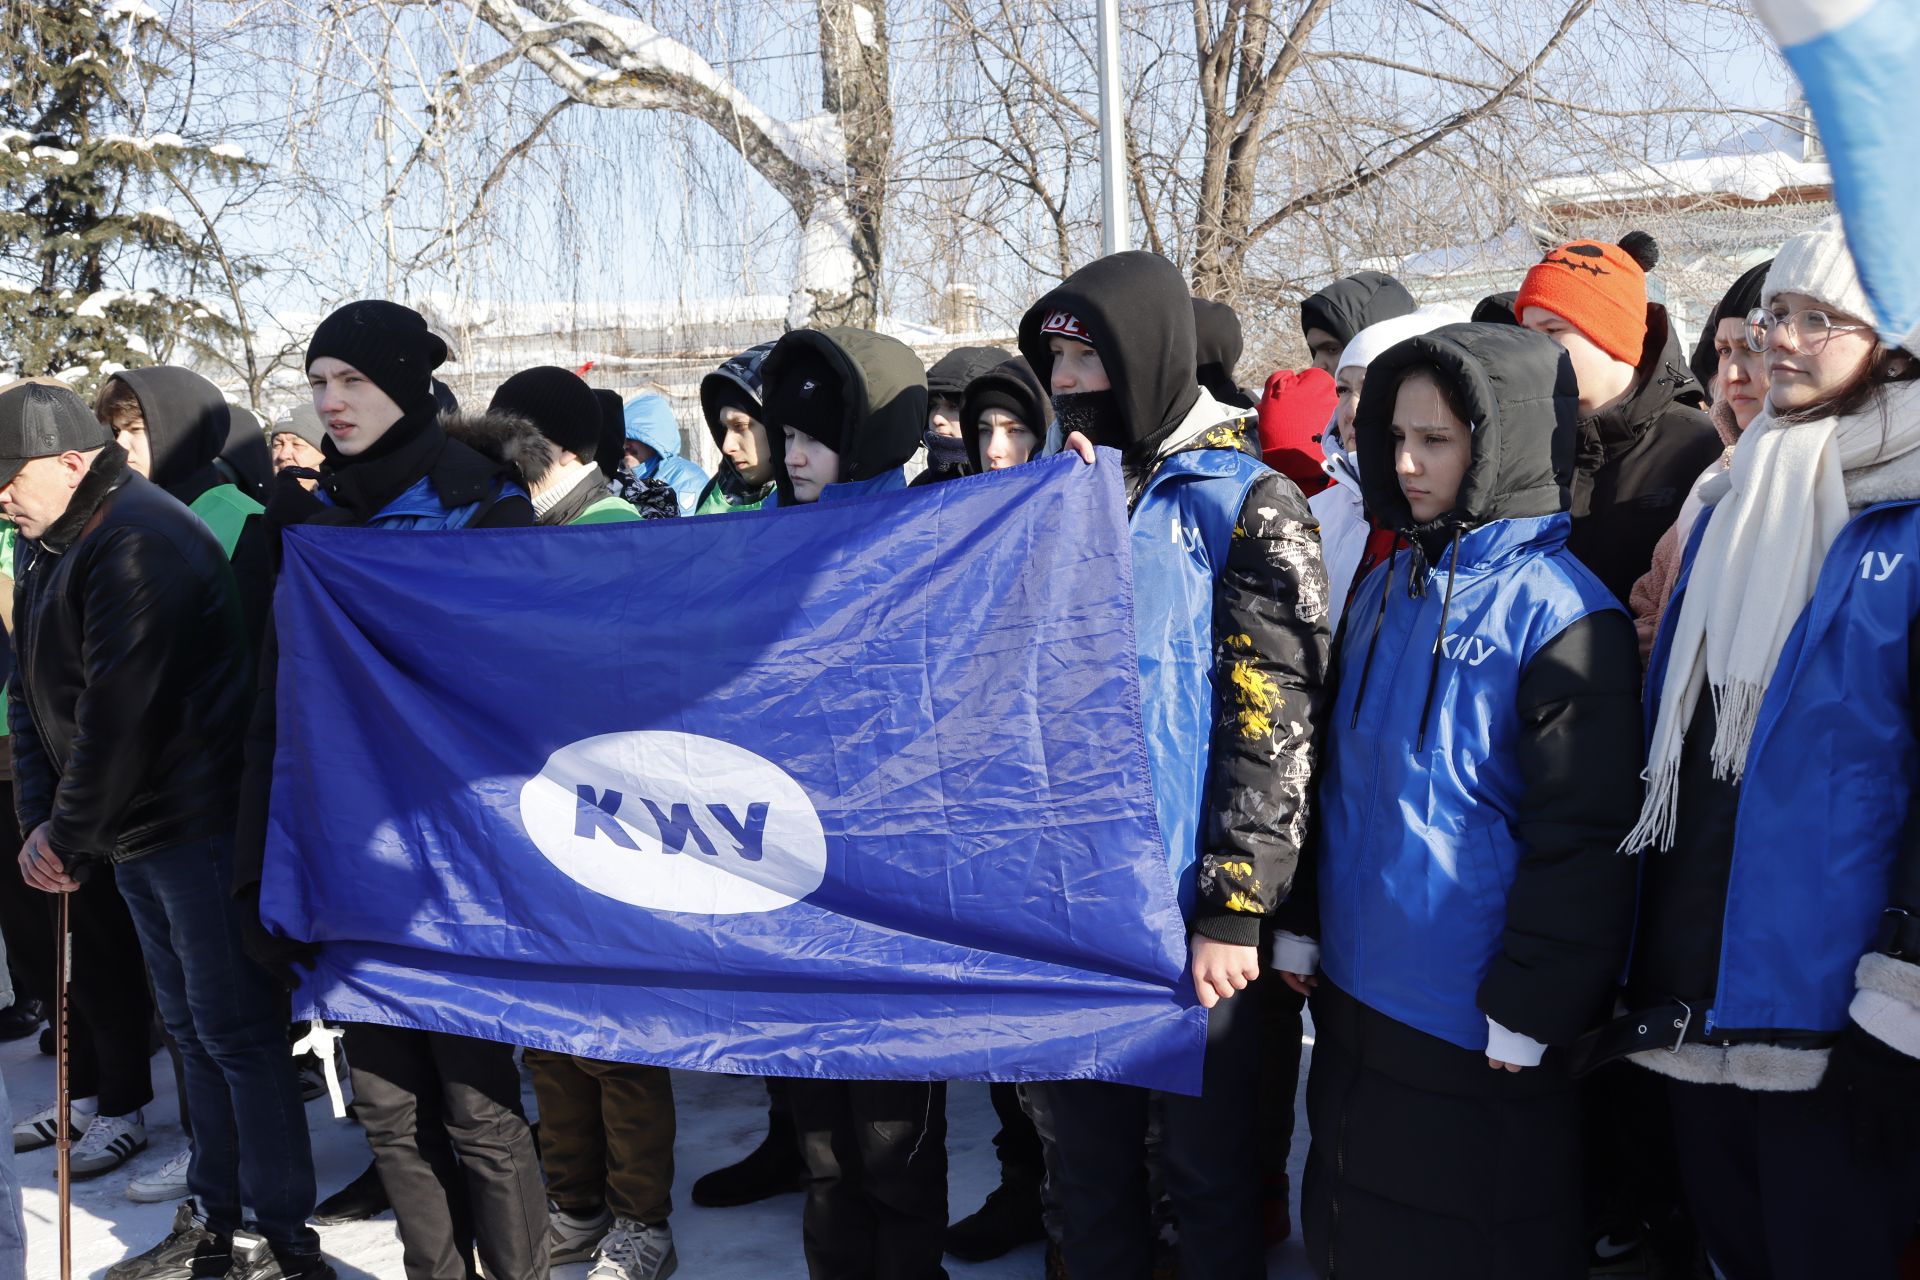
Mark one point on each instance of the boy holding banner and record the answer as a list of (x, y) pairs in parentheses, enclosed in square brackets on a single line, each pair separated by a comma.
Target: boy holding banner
[(846, 408), (1230, 614)]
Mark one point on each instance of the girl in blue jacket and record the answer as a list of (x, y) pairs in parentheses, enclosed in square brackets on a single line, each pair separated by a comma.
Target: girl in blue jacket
[(1479, 772), (1775, 979)]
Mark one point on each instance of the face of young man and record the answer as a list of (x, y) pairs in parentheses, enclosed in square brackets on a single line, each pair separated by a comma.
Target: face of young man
[(1076, 367), (1005, 441), (943, 416), (41, 491), (1431, 448), (1601, 378), (356, 412), (1323, 349), (129, 429), (811, 466), (744, 443)]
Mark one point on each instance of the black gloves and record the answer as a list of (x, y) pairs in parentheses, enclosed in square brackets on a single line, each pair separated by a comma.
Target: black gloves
[(1879, 1088), (273, 953), (291, 502)]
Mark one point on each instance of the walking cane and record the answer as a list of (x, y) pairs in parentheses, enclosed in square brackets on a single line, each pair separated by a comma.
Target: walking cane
[(63, 1089)]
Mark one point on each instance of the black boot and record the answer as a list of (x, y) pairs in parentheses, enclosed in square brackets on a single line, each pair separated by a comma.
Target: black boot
[(773, 1168), (1009, 1218), (359, 1200)]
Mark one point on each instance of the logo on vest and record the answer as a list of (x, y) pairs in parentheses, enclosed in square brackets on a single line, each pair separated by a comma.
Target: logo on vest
[(1878, 566), (676, 822), (1184, 537), (1468, 649)]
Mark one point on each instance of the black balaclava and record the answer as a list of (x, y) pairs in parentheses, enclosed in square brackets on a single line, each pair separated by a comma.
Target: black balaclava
[(1134, 309), (188, 422), (948, 377)]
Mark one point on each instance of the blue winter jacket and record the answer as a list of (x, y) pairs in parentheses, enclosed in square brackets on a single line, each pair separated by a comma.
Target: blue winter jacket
[(1423, 844), (1481, 759), (650, 421), (419, 507), (1820, 829)]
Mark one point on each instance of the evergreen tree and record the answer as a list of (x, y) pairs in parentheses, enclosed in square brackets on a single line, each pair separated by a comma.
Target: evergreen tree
[(94, 269)]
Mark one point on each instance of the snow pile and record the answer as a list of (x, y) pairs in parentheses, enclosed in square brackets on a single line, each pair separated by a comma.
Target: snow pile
[(227, 151), (137, 12), (60, 154)]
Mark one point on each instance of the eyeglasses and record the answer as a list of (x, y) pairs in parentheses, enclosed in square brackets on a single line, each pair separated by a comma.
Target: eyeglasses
[(1813, 327)]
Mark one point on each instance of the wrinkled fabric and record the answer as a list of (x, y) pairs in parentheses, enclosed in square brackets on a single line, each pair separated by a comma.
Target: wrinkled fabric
[(949, 684)]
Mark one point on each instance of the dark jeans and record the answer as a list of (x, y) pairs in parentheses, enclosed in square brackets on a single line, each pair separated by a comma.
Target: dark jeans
[(876, 1153), (443, 1116), (1778, 1192), (250, 1131), (606, 1135), (1208, 1155)]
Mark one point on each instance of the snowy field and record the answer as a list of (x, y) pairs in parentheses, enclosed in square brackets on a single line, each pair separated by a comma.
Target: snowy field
[(720, 1119)]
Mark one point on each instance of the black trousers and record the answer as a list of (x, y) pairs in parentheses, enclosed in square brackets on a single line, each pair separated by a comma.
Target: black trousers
[(1208, 1155), (24, 919), (1778, 1192), (450, 1138), (1281, 1027), (1018, 1142), (876, 1154)]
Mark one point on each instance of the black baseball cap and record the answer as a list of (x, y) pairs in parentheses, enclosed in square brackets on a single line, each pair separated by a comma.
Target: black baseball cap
[(42, 418)]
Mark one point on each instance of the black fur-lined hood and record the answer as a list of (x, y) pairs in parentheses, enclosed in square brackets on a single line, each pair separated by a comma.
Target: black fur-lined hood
[(505, 438)]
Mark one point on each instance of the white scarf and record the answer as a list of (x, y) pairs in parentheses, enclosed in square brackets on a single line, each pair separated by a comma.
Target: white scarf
[(562, 480), (1785, 503)]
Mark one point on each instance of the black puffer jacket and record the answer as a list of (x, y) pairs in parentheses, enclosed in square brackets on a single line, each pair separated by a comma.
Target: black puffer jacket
[(130, 697), (1637, 461)]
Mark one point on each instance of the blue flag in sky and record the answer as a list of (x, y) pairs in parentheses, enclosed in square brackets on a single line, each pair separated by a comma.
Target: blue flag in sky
[(1858, 62), (856, 790)]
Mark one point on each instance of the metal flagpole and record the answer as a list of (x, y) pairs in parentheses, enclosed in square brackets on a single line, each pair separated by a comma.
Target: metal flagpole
[(1113, 124)]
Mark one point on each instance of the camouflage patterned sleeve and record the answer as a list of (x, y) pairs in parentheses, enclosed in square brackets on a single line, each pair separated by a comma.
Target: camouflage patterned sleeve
[(1270, 664)]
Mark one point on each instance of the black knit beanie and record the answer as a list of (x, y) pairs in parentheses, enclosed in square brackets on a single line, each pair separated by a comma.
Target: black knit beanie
[(805, 394), (558, 402), (387, 342)]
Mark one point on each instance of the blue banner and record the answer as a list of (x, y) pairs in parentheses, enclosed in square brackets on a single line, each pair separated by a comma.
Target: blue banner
[(1858, 62), (856, 790)]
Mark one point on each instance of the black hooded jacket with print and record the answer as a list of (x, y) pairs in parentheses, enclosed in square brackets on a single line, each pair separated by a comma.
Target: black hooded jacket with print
[(1270, 599)]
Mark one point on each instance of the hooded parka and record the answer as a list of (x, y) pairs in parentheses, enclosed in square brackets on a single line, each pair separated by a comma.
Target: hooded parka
[(883, 387), (736, 382), (1481, 766)]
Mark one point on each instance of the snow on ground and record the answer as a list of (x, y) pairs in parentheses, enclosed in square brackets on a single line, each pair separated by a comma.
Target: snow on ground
[(720, 1119)]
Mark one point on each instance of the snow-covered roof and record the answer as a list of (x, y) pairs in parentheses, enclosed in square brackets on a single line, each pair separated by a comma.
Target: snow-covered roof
[(1753, 167)]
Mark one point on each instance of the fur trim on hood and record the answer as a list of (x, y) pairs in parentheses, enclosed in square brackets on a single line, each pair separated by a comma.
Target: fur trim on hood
[(505, 438)]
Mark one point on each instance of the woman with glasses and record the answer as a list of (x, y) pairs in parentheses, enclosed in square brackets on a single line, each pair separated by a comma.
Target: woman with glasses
[(1775, 979), (1736, 376)]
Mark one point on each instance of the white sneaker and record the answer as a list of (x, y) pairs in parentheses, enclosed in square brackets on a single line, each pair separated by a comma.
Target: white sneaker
[(571, 1239), (162, 1185), (633, 1251), (40, 1130), (109, 1142)]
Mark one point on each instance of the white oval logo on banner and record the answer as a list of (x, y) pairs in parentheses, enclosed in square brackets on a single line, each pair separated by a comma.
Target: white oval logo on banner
[(676, 822)]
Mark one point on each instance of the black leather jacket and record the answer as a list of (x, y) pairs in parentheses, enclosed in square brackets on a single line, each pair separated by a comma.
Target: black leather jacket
[(129, 696)]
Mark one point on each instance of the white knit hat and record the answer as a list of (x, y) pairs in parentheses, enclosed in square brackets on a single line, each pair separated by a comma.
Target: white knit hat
[(1372, 341), (1818, 263)]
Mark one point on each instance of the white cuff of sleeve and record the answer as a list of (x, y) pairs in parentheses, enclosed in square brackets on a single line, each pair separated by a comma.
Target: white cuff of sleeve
[(1510, 1046), (1295, 954)]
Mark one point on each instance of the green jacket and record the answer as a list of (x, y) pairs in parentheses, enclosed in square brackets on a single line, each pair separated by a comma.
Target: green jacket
[(607, 510), (225, 510)]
